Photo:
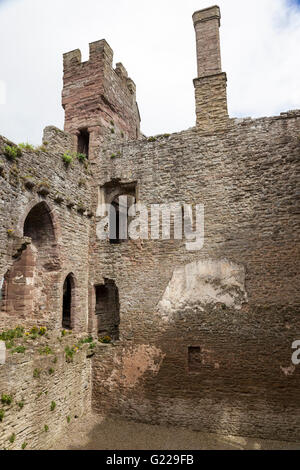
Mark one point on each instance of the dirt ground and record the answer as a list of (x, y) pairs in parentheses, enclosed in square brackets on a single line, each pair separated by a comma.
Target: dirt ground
[(94, 432)]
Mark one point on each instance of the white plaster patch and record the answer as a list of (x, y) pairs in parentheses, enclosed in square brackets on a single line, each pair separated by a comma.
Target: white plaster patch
[(29, 281), (2, 352), (204, 282)]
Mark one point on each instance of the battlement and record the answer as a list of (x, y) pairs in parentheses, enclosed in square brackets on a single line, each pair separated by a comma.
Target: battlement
[(97, 98), (97, 50), (100, 53)]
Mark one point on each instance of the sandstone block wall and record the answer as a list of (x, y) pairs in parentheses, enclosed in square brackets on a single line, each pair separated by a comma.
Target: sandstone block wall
[(204, 337), (211, 84), (34, 381), (243, 322), (98, 97), (207, 24), (42, 178), (211, 102)]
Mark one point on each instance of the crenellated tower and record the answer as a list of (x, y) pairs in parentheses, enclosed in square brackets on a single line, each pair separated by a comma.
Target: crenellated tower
[(99, 100)]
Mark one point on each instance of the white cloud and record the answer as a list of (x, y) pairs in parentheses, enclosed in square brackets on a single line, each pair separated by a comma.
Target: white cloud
[(155, 41)]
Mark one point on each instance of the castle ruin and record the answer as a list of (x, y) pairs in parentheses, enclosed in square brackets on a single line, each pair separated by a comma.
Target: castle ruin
[(194, 338)]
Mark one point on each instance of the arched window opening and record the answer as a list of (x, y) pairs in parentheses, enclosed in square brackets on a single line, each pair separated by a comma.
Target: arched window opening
[(108, 309), (120, 196), (39, 227), (17, 292), (68, 302), (27, 290)]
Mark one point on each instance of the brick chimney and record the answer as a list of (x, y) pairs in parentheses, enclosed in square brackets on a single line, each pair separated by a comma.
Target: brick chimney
[(210, 86)]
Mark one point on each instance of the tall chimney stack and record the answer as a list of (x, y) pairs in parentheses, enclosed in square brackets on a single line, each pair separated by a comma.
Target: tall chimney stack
[(210, 86)]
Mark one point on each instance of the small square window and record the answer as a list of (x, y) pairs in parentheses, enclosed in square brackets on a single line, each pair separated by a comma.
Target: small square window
[(194, 359)]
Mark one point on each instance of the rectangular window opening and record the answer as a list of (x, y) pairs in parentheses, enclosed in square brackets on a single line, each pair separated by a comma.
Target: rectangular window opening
[(194, 359), (83, 142)]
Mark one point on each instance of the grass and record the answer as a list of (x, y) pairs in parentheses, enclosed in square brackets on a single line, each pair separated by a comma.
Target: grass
[(10, 335), (18, 332), (41, 148), (81, 157), (42, 331), (69, 353), (67, 158), (19, 350), (37, 373), (105, 339), (12, 152), (35, 332), (53, 406), (89, 339), (6, 399), (46, 351), (26, 146), (12, 438)]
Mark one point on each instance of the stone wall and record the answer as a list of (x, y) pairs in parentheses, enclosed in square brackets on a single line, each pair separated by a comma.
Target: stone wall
[(45, 216), (99, 98), (39, 182), (201, 338), (48, 393), (236, 300), (211, 84)]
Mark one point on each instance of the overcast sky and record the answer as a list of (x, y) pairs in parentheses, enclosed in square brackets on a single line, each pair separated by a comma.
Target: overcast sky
[(156, 43)]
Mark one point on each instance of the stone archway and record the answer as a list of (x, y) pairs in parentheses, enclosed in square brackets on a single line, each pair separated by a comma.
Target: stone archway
[(17, 294), (28, 285)]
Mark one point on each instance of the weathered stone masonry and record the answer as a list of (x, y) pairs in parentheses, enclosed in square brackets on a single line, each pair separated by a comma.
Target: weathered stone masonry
[(202, 339)]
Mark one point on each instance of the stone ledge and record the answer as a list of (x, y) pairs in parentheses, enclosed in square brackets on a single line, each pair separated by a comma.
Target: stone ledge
[(207, 14)]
